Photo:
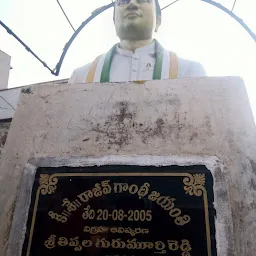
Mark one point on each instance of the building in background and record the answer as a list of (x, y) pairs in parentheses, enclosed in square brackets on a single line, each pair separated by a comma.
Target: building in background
[(5, 66)]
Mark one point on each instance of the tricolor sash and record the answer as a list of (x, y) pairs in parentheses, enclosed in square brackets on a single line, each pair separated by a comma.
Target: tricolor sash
[(105, 73)]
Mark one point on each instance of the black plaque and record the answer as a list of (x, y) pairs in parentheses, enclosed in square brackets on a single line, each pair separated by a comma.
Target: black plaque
[(121, 211)]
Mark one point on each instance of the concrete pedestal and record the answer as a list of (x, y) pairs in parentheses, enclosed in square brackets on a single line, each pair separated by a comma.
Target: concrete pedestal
[(200, 120)]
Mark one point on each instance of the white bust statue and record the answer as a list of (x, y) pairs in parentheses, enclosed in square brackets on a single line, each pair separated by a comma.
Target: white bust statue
[(138, 56)]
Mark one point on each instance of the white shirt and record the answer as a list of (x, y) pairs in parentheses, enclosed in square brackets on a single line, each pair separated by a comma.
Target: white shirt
[(138, 65)]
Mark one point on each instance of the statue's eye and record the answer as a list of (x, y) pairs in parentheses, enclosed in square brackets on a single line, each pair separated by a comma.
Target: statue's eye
[(144, 1), (123, 2)]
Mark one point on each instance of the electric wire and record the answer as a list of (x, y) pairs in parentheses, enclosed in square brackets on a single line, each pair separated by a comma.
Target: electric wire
[(169, 5), (65, 15), (233, 6)]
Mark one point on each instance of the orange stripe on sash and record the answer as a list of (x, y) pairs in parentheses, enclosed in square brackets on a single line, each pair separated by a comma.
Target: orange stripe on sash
[(92, 70), (174, 66)]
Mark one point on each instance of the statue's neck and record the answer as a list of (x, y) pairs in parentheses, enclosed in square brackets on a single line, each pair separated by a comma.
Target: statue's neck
[(133, 45)]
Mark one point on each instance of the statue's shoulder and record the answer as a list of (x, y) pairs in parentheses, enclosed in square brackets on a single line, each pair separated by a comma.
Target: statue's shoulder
[(186, 67), (190, 68), (79, 74)]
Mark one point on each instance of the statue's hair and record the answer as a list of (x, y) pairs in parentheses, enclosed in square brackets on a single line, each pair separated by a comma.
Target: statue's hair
[(158, 11)]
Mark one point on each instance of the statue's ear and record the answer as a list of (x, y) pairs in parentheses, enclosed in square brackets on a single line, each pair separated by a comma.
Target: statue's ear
[(158, 23)]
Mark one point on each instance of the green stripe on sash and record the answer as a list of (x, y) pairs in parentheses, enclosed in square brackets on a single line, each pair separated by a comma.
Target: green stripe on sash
[(158, 66), (105, 73)]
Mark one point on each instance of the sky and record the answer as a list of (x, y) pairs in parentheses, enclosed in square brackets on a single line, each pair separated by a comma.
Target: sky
[(191, 28)]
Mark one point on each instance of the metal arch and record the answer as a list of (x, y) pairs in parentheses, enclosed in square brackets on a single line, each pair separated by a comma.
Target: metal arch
[(68, 44), (232, 15)]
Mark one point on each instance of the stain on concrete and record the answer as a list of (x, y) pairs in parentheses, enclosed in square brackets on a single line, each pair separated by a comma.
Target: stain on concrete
[(3, 138), (124, 113), (117, 128), (9, 217), (193, 136), (230, 247), (208, 126), (218, 175), (4, 128), (161, 129), (174, 100), (222, 194), (253, 164), (252, 184), (27, 90)]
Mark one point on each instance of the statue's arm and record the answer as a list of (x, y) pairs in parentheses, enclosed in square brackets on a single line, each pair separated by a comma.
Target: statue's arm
[(79, 75), (188, 68)]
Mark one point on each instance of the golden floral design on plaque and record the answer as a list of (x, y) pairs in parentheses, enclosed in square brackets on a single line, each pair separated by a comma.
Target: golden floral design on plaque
[(194, 184), (47, 184)]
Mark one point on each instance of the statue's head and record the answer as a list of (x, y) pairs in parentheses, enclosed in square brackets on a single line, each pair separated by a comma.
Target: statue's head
[(136, 19)]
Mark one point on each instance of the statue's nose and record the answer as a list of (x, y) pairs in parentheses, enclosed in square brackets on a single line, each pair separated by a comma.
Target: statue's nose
[(133, 4)]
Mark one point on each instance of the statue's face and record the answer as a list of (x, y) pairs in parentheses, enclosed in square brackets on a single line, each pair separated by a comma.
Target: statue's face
[(135, 19)]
